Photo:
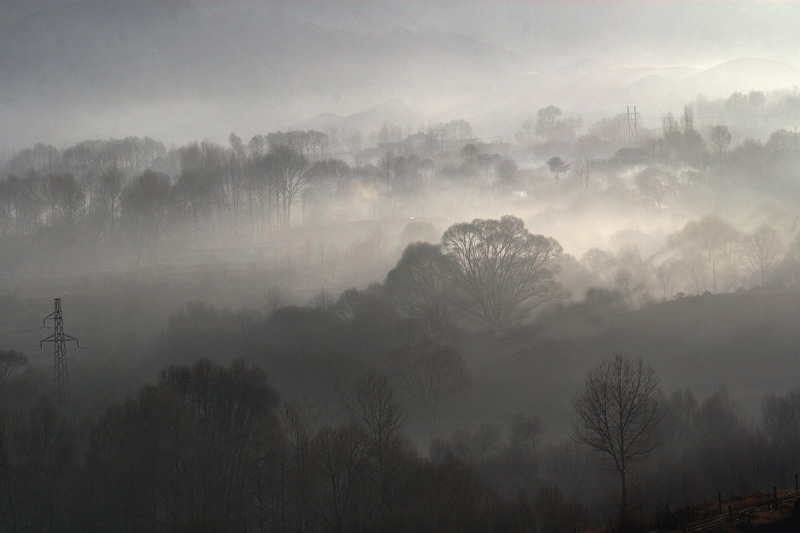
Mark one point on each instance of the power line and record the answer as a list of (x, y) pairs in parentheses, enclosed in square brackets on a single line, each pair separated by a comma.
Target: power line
[(9, 333)]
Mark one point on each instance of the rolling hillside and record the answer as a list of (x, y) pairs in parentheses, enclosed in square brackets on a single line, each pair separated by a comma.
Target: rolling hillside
[(747, 342)]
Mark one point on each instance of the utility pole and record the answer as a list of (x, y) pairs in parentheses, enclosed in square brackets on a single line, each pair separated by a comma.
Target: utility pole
[(59, 340), (633, 123)]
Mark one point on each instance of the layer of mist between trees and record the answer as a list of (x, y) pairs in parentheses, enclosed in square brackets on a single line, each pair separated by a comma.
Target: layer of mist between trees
[(492, 409), (298, 198), (304, 277)]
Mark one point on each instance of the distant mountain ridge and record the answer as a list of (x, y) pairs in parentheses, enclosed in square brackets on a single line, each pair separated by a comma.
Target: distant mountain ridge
[(88, 68), (391, 112)]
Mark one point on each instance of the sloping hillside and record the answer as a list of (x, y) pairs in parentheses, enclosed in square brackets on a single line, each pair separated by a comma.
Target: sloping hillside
[(748, 342)]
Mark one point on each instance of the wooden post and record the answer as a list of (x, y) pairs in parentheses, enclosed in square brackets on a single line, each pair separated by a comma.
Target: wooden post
[(719, 499)]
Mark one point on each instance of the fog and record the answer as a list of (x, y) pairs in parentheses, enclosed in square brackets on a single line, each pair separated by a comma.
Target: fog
[(350, 266), (99, 68)]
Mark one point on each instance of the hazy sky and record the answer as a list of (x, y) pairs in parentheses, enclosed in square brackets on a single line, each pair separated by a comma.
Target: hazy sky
[(83, 70), (631, 33)]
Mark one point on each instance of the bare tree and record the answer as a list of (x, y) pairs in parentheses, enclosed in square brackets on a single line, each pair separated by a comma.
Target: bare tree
[(12, 364), (109, 193), (506, 174), (322, 300), (650, 183), (469, 153), (666, 276), (781, 423), (289, 168), (298, 429), (147, 204), (617, 414), (340, 460), (65, 198), (681, 415), (433, 375), (720, 139), (524, 437), (760, 250), (274, 299), (419, 288), (710, 234), (374, 408), (501, 271), (485, 439), (558, 166), (390, 166), (581, 176), (547, 121), (601, 264), (329, 176)]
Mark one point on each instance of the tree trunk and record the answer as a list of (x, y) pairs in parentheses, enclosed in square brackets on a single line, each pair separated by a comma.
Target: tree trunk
[(623, 505)]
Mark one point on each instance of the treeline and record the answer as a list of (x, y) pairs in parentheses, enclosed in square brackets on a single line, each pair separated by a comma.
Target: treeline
[(707, 255), (212, 448), (364, 375), (88, 192)]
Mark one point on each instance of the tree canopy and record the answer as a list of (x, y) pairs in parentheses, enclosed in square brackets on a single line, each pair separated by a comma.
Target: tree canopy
[(501, 271)]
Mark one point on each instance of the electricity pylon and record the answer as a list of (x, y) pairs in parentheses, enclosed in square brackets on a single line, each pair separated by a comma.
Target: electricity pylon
[(633, 125), (59, 340)]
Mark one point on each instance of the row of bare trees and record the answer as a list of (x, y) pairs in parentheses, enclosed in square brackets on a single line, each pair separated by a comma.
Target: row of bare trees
[(209, 448), (216, 191), (661, 448), (708, 254)]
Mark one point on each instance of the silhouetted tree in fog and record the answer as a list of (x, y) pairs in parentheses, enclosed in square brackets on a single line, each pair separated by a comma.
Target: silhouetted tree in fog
[(433, 375), (558, 166), (420, 289), (64, 197), (711, 234), (617, 414), (761, 250), (184, 454), (501, 271), (12, 364), (146, 207), (720, 139), (289, 167), (546, 120), (375, 409), (781, 423)]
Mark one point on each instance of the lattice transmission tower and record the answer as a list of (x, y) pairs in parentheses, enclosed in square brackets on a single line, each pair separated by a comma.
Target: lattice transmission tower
[(633, 123), (60, 371)]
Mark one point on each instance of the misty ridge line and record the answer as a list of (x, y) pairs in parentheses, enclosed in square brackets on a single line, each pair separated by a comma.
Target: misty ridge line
[(405, 65)]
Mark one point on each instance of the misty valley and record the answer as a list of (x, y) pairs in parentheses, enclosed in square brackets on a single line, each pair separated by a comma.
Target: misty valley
[(274, 338), (392, 317)]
